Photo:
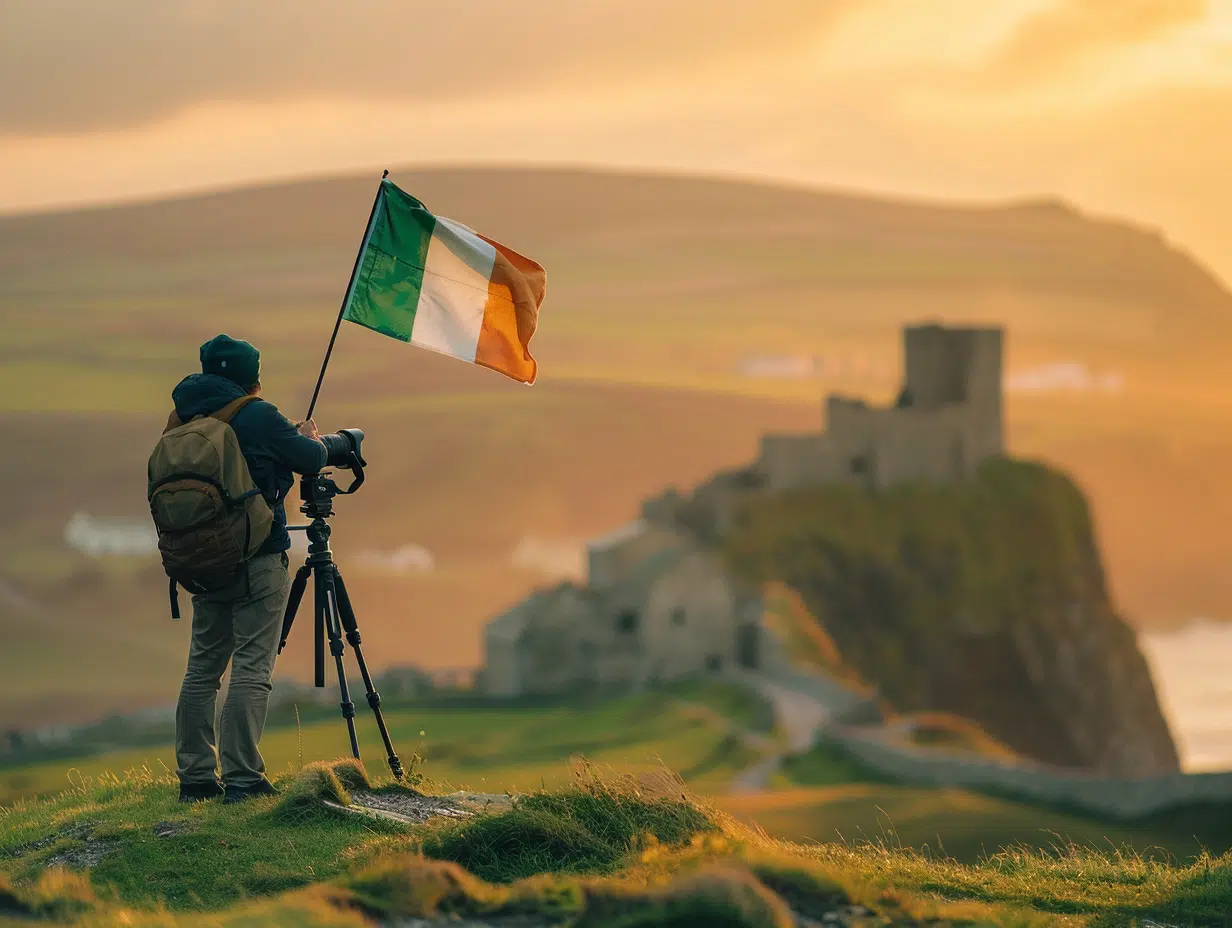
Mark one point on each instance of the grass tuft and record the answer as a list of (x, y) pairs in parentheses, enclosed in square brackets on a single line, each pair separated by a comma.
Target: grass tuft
[(411, 885), (721, 896), (519, 843), (303, 794), (592, 827), (808, 888), (351, 774)]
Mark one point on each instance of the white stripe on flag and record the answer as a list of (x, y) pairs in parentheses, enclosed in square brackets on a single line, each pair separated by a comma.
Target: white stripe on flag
[(454, 293)]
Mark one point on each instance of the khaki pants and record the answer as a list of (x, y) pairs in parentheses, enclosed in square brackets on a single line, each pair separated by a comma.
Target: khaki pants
[(240, 625)]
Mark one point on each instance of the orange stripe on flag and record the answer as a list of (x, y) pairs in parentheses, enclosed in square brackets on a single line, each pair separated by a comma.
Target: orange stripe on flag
[(510, 314)]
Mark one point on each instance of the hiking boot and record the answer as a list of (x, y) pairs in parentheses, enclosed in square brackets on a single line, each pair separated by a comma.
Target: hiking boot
[(240, 793), (199, 792)]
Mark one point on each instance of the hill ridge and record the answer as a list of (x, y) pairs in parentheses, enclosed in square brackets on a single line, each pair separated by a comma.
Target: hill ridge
[(1041, 242)]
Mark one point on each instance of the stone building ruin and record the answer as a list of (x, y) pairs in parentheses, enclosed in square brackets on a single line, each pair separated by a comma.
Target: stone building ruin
[(658, 605), (656, 608)]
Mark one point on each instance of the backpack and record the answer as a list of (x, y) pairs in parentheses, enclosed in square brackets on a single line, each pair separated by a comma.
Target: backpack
[(210, 516)]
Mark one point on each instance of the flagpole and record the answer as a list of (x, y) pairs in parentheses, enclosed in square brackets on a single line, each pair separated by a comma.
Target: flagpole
[(363, 246)]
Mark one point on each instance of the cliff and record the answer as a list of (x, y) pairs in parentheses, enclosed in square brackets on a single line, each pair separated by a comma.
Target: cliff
[(986, 599)]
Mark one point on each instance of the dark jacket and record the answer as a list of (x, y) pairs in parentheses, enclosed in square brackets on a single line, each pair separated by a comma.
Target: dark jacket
[(274, 450)]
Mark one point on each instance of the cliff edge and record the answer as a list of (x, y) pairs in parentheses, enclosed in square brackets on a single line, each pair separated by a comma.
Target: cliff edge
[(985, 598)]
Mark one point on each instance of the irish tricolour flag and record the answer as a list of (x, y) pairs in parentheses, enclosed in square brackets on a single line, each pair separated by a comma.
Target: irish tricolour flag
[(435, 283)]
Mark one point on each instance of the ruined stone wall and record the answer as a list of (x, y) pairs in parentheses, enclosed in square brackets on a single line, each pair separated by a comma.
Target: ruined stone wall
[(875, 447), (690, 620), (788, 461), (615, 657), (552, 642), (1122, 798), (707, 515), (550, 654), (913, 445)]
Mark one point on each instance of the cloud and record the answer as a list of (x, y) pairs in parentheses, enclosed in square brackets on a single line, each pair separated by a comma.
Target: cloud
[(557, 558), (1069, 32), (1063, 377), (72, 66), (407, 559), (102, 537)]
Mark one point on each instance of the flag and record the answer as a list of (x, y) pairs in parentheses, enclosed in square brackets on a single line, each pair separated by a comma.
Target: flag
[(437, 284)]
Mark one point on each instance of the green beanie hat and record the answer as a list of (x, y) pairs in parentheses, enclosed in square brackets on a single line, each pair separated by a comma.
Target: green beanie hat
[(229, 357)]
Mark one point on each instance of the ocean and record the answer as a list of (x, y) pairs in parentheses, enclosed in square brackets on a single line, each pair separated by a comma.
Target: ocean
[(1192, 669)]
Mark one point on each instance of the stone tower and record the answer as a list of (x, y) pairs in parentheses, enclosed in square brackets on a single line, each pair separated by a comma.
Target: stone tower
[(958, 366)]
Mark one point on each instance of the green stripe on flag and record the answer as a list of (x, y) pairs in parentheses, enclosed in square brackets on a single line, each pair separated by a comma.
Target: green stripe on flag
[(385, 293)]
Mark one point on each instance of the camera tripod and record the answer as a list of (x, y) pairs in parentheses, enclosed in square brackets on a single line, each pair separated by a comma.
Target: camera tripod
[(333, 616)]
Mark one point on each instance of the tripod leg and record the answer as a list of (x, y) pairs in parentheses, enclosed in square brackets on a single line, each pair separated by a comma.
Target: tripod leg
[(347, 615), (320, 596), (333, 627), (298, 585)]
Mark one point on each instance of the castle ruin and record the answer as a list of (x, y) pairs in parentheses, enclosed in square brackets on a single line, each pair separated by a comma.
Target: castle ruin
[(659, 605), (946, 420)]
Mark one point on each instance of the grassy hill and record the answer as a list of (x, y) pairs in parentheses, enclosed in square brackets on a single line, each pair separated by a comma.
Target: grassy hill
[(602, 851), (986, 599), (659, 289)]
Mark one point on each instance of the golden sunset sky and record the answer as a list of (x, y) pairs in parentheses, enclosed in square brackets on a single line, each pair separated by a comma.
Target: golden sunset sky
[(1121, 106)]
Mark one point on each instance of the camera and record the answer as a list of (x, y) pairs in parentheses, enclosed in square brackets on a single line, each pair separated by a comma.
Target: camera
[(342, 448)]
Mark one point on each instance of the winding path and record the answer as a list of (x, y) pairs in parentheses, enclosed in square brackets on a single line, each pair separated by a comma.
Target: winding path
[(803, 705)]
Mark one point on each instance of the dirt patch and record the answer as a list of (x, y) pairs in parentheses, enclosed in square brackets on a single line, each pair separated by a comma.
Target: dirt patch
[(84, 857), (170, 829), (409, 805), (414, 808), (77, 831), (481, 802)]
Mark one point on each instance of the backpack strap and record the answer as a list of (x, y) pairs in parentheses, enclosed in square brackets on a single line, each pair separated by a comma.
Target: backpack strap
[(222, 415), (227, 412)]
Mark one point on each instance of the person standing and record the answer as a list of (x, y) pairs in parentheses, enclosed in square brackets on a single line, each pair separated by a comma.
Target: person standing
[(238, 622)]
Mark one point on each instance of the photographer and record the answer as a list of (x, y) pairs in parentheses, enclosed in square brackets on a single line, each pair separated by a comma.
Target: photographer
[(239, 624)]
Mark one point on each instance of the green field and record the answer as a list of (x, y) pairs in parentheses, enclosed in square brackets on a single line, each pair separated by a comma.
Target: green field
[(693, 728), (483, 749), (603, 850)]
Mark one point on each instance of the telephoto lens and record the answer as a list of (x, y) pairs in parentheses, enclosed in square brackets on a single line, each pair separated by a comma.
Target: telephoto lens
[(342, 448)]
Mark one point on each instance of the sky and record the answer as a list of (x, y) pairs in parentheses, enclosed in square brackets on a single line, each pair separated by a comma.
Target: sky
[(1122, 107)]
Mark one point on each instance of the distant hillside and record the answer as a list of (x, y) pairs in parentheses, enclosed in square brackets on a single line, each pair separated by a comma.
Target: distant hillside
[(660, 290), (824, 241)]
